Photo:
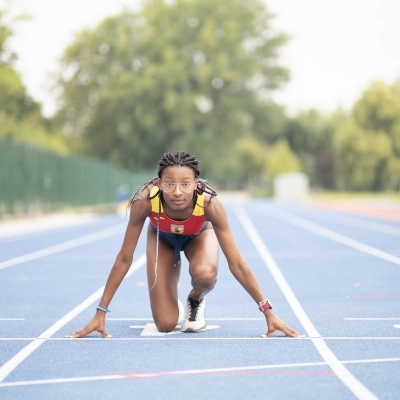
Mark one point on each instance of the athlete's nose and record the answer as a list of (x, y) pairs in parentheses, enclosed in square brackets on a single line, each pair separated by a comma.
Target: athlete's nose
[(178, 189)]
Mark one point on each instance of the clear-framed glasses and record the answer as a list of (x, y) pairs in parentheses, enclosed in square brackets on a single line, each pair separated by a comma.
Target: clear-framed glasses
[(169, 187)]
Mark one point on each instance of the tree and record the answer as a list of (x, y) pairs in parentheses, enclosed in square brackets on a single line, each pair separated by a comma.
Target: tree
[(183, 74), (13, 97), (281, 159), (369, 146), (20, 115), (363, 157), (309, 135), (378, 108), (6, 56)]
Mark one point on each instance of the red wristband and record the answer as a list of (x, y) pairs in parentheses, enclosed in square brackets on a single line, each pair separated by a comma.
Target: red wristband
[(264, 305)]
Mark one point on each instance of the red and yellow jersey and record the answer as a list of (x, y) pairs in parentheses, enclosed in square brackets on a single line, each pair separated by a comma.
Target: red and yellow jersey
[(190, 226)]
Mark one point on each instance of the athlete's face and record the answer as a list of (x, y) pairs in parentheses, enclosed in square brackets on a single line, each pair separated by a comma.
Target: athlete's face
[(178, 184)]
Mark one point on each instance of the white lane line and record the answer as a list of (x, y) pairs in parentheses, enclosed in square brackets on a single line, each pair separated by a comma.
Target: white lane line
[(62, 380), (12, 319), (325, 232), (191, 337), (372, 319), (144, 375), (354, 385), (376, 360), (359, 223), (27, 228), (93, 237), (208, 319), (13, 363)]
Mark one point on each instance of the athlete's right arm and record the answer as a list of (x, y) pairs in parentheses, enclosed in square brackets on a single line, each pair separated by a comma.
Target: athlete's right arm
[(140, 210)]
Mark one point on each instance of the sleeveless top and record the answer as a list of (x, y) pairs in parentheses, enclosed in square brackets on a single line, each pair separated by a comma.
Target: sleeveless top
[(190, 226)]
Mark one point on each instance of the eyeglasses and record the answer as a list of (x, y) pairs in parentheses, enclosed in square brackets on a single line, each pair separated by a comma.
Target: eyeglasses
[(169, 187)]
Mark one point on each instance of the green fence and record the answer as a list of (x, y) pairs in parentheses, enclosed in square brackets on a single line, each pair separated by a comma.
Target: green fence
[(34, 180)]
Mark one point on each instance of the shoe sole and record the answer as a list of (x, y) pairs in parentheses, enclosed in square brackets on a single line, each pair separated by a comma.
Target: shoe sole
[(190, 330)]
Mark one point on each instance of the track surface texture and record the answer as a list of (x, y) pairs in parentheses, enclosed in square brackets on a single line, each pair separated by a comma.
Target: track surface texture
[(332, 275)]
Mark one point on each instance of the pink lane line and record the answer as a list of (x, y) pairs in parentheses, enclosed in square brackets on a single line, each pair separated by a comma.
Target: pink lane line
[(152, 375)]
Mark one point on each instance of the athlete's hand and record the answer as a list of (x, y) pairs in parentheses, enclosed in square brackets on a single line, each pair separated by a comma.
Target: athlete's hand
[(97, 324), (275, 324)]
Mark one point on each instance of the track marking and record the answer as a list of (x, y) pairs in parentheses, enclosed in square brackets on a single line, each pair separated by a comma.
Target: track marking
[(192, 337), (27, 228), (328, 233), (186, 372), (65, 380), (151, 330), (208, 319), (396, 326), (361, 223), (349, 380), (13, 363), (12, 319), (93, 237), (372, 319)]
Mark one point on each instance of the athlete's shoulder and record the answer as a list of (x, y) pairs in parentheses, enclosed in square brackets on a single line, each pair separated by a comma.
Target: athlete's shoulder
[(213, 207), (140, 209)]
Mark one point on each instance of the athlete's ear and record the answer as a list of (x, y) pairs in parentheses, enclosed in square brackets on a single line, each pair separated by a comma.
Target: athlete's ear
[(199, 187)]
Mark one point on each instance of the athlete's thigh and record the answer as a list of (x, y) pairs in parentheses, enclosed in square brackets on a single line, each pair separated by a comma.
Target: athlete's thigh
[(202, 250), (162, 278)]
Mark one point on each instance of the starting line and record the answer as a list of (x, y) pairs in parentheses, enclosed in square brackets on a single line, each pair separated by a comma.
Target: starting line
[(190, 336), (148, 375)]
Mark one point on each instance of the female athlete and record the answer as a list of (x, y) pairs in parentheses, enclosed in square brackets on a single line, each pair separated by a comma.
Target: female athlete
[(185, 215)]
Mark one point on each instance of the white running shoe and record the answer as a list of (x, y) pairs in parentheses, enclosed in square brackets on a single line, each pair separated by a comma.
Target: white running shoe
[(194, 321)]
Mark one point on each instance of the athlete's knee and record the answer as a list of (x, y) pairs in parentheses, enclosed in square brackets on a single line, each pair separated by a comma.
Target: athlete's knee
[(204, 276), (165, 319), (165, 325)]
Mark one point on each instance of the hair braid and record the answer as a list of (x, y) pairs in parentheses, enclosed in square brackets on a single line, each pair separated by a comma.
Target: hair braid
[(144, 191), (179, 159)]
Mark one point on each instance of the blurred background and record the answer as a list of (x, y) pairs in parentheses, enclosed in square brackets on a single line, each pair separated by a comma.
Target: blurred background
[(93, 93)]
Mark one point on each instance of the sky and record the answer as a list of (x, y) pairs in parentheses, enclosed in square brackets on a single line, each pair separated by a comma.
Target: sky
[(337, 48)]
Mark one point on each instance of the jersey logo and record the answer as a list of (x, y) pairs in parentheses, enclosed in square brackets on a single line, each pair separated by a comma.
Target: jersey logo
[(177, 229)]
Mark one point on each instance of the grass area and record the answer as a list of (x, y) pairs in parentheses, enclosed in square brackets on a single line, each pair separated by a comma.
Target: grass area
[(260, 192)]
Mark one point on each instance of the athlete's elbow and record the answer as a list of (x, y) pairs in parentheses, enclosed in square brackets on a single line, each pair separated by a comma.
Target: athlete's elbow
[(123, 260), (237, 269)]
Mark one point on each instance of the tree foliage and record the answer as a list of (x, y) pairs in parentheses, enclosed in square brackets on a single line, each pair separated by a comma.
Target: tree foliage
[(364, 156), (252, 155), (309, 135), (186, 74), (368, 145), (281, 159), (20, 115)]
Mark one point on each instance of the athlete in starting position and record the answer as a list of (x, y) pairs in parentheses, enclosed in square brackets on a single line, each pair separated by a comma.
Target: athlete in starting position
[(184, 216)]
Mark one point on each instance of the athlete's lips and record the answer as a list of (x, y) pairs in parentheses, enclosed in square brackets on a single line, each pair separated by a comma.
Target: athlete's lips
[(178, 202)]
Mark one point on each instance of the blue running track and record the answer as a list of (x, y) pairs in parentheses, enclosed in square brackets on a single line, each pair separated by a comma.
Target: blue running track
[(332, 276)]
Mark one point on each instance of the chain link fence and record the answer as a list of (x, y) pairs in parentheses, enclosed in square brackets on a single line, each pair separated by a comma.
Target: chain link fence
[(34, 180)]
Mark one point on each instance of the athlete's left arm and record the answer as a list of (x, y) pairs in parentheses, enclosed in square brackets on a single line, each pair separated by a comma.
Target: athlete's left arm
[(215, 213)]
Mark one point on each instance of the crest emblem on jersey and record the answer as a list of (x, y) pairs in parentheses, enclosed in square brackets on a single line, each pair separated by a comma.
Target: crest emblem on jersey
[(177, 229)]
